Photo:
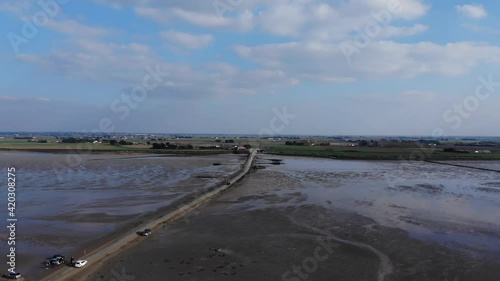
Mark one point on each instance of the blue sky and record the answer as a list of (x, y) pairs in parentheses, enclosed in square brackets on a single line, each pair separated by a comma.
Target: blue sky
[(369, 67)]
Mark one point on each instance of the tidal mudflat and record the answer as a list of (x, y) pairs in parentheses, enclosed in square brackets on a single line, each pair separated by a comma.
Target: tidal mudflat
[(313, 219), (87, 204)]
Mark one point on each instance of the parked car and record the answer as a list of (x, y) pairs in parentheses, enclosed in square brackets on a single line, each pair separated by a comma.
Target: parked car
[(56, 261), (59, 257), (80, 263), (146, 232), (14, 275)]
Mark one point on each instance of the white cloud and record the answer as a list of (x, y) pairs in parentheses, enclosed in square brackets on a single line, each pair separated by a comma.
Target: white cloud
[(293, 41), (420, 95), (287, 18), (328, 79), (318, 28), (187, 40), (480, 29), (323, 21), (400, 9), (244, 21), (119, 4), (311, 19), (201, 19), (383, 59), (474, 11), (95, 61), (394, 31), (24, 99), (15, 6), (153, 14), (76, 29)]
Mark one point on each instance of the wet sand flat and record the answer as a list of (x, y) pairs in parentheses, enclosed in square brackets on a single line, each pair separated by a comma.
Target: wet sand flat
[(313, 219), (99, 199)]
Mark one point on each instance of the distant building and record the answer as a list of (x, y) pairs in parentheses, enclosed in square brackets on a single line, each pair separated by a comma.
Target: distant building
[(241, 149), (483, 151)]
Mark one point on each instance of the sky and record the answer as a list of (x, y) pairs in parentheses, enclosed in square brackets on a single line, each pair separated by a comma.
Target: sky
[(337, 67)]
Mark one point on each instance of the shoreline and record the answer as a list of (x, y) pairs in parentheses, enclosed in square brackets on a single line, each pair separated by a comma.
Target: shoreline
[(388, 158), (126, 236), (186, 153), (118, 151)]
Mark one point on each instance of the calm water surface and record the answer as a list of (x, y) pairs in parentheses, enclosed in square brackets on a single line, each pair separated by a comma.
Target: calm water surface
[(91, 200), (456, 207)]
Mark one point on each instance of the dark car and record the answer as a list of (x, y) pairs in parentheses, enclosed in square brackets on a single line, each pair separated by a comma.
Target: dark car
[(146, 232), (59, 257), (14, 275), (57, 260)]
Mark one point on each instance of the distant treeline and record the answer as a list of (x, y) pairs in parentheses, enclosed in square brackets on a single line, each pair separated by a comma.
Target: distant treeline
[(92, 140), (76, 140), (483, 144), (168, 145), (300, 143)]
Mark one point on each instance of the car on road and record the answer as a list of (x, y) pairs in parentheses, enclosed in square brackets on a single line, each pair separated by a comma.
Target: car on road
[(80, 263), (56, 261), (59, 257), (14, 275), (146, 232)]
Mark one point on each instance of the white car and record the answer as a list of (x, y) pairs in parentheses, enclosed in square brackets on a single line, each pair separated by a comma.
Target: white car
[(80, 263)]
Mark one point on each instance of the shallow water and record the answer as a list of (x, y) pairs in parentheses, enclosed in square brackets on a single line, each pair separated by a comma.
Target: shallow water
[(62, 206), (456, 207), (494, 165)]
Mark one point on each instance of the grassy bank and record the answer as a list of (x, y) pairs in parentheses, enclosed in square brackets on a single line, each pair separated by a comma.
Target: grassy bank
[(98, 148)]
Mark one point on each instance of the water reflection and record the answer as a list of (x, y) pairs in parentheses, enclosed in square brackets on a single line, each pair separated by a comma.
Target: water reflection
[(457, 207), (99, 196)]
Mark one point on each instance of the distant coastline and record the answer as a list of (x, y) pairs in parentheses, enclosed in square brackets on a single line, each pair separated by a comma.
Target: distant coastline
[(335, 147)]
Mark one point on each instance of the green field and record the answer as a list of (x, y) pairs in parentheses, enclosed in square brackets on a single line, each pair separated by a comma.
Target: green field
[(23, 145), (378, 153), (388, 152)]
